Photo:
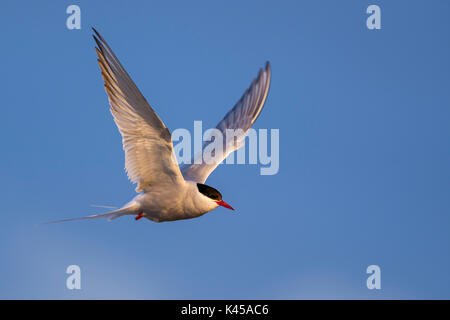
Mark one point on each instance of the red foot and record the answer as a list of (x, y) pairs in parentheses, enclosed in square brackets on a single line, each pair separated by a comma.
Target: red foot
[(140, 215)]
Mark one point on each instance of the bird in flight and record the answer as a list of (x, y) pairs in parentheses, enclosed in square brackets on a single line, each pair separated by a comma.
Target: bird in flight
[(167, 192)]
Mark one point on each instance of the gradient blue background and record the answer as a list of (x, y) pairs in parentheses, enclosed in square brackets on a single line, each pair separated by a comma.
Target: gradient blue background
[(364, 149)]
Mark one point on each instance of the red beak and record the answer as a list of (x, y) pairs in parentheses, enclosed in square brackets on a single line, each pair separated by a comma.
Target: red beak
[(224, 204)]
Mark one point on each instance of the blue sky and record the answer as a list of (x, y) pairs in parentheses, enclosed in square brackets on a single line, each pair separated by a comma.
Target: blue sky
[(364, 150)]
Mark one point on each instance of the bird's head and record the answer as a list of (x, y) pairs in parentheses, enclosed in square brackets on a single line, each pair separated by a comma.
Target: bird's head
[(213, 195)]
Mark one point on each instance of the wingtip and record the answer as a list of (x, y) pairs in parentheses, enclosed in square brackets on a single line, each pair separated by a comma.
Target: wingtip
[(97, 37), (99, 44), (95, 31), (267, 65)]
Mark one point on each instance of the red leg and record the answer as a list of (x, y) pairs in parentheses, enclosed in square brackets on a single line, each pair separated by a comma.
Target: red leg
[(140, 215)]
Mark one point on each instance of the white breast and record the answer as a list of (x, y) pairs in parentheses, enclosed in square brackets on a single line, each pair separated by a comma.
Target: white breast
[(178, 202)]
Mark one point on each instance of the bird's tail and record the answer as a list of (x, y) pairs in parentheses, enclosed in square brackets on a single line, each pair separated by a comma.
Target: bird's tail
[(130, 208)]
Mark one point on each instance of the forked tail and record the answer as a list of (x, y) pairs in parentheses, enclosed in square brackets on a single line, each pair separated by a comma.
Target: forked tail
[(131, 208)]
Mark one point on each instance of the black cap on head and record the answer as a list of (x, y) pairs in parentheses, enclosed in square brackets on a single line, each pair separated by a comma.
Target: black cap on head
[(210, 192)]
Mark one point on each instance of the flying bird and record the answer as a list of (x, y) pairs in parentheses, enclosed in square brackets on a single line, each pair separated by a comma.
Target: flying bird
[(167, 192)]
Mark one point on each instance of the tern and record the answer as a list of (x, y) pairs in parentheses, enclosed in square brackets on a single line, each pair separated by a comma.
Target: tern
[(167, 192)]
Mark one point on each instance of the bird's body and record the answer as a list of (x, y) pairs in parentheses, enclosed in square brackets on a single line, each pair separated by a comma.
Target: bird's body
[(182, 201), (166, 191)]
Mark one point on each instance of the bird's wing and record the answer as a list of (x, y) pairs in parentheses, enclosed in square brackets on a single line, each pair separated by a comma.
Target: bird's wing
[(242, 117), (149, 157)]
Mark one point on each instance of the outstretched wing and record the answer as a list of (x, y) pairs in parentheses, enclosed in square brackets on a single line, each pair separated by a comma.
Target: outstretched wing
[(149, 159), (240, 119)]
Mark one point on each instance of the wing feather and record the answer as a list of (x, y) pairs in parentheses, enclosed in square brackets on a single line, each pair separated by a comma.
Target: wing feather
[(149, 159), (241, 116)]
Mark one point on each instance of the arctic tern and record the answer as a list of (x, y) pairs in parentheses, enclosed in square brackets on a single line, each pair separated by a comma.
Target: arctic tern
[(167, 192)]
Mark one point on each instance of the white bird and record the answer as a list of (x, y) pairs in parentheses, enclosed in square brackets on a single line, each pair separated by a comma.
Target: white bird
[(166, 192)]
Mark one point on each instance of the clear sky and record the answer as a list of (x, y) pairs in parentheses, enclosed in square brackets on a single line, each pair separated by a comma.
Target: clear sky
[(364, 172)]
